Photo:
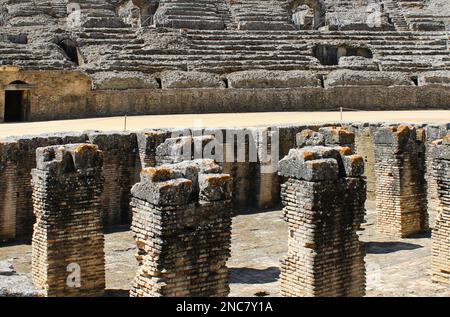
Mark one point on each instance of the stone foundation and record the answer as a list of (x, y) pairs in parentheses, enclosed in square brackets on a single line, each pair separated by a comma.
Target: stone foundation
[(401, 198), (182, 227), (323, 201), (68, 256), (441, 231)]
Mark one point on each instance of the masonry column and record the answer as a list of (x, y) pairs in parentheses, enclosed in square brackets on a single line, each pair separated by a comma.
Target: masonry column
[(324, 205), (68, 256), (433, 133), (182, 227), (401, 195), (441, 231), (121, 166)]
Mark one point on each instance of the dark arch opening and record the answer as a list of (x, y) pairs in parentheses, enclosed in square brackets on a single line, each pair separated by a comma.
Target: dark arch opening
[(16, 103), (330, 54), (70, 48)]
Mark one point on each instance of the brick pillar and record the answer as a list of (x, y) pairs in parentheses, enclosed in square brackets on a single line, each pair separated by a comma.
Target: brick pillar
[(182, 227), (121, 166), (68, 233), (441, 231), (401, 195), (324, 205), (433, 133)]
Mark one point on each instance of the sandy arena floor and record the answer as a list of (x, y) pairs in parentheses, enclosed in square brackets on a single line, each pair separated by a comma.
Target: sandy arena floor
[(395, 267), (224, 120)]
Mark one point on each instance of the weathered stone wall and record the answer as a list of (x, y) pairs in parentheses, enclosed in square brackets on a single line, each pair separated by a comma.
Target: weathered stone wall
[(54, 94), (324, 205), (433, 133), (254, 186), (364, 147), (17, 158), (401, 198), (121, 167), (69, 95), (68, 233), (182, 226), (148, 141), (211, 100), (441, 230)]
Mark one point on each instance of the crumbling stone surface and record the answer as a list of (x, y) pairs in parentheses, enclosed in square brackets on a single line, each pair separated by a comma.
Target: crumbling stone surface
[(148, 141), (123, 80), (273, 79), (309, 138), (433, 133), (183, 148), (366, 78), (401, 194), (181, 79), (435, 77), (324, 208), (441, 230), (68, 233), (17, 158), (338, 136), (183, 239)]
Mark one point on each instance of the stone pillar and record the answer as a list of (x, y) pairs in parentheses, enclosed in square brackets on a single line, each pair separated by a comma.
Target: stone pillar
[(182, 227), (148, 141), (401, 195), (364, 147), (441, 231), (121, 166), (323, 202), (68, 256), (8, 191), (433, 133), (265, 180)]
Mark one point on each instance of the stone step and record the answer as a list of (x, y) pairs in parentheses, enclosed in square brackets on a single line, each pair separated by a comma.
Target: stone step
[(214, 58)]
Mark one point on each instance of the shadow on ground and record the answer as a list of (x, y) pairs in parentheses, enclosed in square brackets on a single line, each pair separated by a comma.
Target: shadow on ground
[(389, 247), (254, 276), (117, 293)]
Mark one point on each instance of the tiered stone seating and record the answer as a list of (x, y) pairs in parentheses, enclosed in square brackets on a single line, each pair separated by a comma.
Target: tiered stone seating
[(396, 15), (101, 26), (230, 51), (261, 14), (419, 16), (29, 12), (43, 56), (193, 14)]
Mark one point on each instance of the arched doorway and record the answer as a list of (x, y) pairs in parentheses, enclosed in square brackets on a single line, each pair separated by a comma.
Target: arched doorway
[(16, 102), (70, 48)]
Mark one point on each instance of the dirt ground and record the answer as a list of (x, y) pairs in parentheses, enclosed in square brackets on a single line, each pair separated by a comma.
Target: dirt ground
[(223, 120), (395, 267)]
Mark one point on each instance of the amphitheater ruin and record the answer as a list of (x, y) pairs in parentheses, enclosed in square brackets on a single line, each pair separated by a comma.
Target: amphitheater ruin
[(302, 209)]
